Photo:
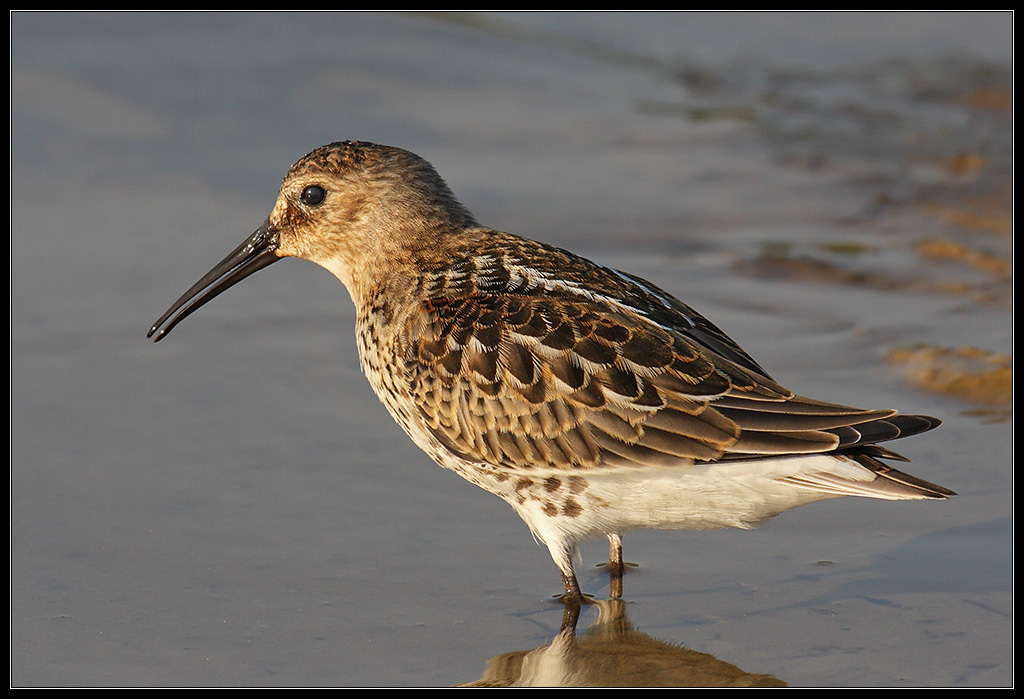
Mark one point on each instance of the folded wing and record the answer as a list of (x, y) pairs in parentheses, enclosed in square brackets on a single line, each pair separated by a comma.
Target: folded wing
[(535, 381)]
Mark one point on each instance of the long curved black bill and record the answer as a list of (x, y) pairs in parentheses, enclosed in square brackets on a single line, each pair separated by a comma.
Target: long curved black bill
[(257, 252)]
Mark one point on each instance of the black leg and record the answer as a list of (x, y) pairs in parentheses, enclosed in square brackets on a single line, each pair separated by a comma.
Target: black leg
[(572, 589)]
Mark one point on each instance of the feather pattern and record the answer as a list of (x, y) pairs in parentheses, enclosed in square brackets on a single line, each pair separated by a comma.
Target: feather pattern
[(511, 365)]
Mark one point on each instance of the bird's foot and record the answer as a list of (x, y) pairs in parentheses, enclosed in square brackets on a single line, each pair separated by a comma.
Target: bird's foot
[(616, 568), (572, 596), (613, 564)]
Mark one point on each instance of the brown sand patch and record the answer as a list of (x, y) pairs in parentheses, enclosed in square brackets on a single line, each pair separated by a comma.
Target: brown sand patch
[(969, 373)]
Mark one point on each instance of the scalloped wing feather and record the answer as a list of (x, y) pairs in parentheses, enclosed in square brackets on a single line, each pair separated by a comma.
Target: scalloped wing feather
[(564, 383)]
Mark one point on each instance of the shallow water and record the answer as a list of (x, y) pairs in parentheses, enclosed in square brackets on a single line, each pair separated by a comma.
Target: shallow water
[(233, 507)]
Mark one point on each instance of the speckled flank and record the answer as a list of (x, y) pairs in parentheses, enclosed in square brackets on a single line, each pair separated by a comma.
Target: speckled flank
[(587, 398)]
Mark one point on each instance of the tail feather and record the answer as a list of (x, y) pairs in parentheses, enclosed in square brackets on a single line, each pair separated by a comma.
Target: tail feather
[(857, 444), (896, 481), (877, 480)]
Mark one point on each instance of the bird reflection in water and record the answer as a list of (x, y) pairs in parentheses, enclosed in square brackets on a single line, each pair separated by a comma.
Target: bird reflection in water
[(613, 653)]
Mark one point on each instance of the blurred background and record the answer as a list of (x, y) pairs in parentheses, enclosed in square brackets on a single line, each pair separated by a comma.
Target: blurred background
[(233, 506)]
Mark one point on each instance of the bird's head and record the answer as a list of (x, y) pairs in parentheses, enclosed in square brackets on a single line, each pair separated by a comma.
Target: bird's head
[(351, 207)]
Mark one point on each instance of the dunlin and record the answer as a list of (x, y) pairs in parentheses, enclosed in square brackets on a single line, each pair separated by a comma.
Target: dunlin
[(588, 399)]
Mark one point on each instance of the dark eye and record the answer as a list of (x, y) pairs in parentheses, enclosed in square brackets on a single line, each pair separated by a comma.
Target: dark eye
[(313, 195)]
